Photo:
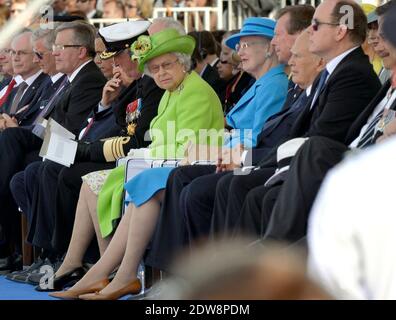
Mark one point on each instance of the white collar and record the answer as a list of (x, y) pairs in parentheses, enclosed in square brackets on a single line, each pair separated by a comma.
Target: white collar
[(333, 63), (214, 62), (18, 79), (308, 90), (75, 72), (91, 14), (56, 77)]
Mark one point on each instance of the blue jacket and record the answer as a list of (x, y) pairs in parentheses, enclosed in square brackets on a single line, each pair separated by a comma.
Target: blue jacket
[(264, 98)]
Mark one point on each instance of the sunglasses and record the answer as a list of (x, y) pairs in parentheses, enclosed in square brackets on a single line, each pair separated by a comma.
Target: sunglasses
[(40, 55), (315, 23)]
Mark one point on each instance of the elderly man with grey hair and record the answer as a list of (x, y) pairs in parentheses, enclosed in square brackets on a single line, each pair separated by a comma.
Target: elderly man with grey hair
[(42, 41), (73, 101), (28, 70)]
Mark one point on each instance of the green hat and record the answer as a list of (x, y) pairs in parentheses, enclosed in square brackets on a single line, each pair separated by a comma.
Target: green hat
[(165, 41)]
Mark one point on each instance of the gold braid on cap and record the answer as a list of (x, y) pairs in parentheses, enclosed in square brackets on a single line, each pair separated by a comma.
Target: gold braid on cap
[(106, 55), (113, 149)]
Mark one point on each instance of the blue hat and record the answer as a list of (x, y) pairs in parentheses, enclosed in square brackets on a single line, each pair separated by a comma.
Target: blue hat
[(388, 26), (372, 17), (262, 27)]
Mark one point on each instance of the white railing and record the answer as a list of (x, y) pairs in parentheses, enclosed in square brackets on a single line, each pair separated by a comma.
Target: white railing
[(195, 12), (232, 18), (105, 22)]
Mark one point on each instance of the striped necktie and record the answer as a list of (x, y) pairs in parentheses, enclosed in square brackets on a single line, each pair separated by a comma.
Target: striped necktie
[(18, 97), (321, 85), (367, 138)]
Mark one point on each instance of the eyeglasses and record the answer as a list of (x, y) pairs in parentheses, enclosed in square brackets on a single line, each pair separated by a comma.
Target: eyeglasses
[(315, 23), (20, 52), (166, 66), (244, 45), (59, 47), (13, 11), (5, 51)]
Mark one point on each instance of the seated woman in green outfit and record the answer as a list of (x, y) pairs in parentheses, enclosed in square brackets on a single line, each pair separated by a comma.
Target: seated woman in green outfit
[(188, 106)]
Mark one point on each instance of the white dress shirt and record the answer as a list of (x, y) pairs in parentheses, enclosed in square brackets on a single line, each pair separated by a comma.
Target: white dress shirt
[(75, 72), (352, 227)]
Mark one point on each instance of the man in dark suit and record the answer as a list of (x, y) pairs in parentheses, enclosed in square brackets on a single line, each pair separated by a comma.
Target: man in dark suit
[(28, 69), (326, 115), (205, 60), (73, 51), (287, 216)]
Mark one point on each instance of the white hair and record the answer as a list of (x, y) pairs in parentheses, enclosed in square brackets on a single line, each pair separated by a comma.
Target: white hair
[(170, 23)]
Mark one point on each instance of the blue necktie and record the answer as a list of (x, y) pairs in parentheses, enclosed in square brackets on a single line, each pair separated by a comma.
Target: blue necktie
[(321, 84)]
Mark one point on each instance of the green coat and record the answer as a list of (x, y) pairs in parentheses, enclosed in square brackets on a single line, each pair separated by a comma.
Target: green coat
[(193, 106)]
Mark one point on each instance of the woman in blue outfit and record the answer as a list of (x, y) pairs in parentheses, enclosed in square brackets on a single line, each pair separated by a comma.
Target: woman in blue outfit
[(145, 191)]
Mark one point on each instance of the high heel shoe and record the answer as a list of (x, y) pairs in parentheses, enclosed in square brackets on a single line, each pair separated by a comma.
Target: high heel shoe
[(67, 279), (132, 287), (74, 294)]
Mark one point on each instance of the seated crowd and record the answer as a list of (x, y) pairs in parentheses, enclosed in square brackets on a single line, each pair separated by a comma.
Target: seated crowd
[(267, 113)]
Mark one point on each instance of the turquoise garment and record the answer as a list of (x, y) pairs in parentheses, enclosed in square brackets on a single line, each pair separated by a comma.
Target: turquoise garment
[(144, 185), (264, 98)]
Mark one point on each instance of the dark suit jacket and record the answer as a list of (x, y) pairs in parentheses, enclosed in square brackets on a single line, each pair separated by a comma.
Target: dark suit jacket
[(43, 95), (6, 80), (211, 76), (98, 14), (82, 96), (347, 92), (104, 126), (28, 96), (277, 128), (151, 94)]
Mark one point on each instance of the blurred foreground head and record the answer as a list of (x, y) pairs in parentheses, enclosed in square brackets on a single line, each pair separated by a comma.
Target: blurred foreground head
[(234, 269)]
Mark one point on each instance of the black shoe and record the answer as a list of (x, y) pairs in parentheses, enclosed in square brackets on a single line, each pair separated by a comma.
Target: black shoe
[(66, 280), (49, 269), (10, 264), (22, 276)]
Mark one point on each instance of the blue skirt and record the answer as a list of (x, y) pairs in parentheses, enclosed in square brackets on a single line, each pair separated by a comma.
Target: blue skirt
[(143, 186)]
